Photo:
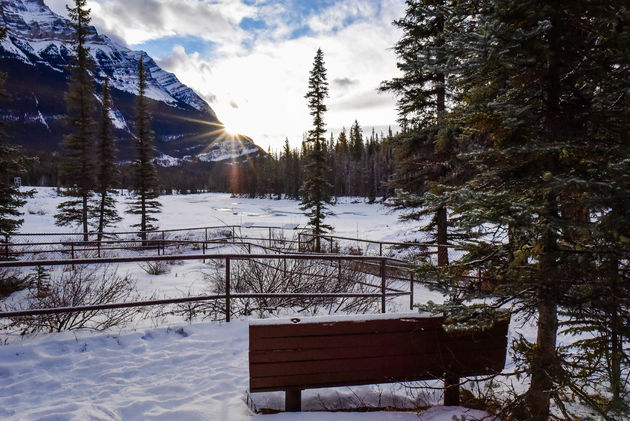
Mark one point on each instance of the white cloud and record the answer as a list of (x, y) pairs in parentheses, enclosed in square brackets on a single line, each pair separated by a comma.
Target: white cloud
[(138, 21), (269, 82), (256, 80)]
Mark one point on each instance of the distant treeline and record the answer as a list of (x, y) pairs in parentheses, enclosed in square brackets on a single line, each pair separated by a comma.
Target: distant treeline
[(359, 166)]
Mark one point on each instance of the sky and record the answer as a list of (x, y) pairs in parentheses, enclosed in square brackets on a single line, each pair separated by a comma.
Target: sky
[(250, 59)]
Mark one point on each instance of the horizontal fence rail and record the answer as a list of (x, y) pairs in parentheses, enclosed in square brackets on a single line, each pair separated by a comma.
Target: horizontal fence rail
[(234, 256), (174, 240), (59, 310), (383, 293)]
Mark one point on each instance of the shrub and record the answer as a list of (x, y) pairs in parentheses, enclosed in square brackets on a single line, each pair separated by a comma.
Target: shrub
[(282, 276), (83, 285), (155, 268), (12, 281)]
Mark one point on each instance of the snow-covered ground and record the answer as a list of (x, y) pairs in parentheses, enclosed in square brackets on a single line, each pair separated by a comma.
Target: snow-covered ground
[(189, 372), (175, 370), (353, 216)]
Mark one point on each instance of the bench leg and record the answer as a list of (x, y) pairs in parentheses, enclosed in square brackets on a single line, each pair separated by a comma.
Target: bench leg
[(451, 390), (293, 400)]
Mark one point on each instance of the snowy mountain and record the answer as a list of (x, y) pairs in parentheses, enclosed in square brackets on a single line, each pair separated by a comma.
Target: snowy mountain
[(35, 55)]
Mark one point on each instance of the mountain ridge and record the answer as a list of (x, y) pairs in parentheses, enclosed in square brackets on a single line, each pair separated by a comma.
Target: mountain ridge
[(35, 55)]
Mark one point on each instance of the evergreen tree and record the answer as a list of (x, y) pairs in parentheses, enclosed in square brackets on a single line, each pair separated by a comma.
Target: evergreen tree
[(145, 184), (105, 209), (547, 120), (356, 141), (371, 169), (426, 149), (342, 162), (77, 170), (316, 195), (11, 198)]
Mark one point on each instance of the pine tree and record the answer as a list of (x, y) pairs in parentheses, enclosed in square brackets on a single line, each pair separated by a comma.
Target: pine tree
[(316, 195), (105, 212), (77, 170), (145, 184), (11, 198)]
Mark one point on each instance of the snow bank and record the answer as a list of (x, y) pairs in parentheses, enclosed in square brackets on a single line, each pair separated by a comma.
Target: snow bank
[(196, 372)]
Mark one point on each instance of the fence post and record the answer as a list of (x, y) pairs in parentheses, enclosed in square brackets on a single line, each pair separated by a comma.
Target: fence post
[(339, 274), (451, 389), (6, 247), (411, 291), (163, 243), (382, 285), (205, 236), (331, 244), (98, 248), (285, 268), (299, 242), (233, 234), (380, 249), (227, 289)]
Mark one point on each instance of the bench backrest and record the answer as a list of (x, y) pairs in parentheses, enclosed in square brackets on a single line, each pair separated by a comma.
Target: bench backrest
[(342, 353)]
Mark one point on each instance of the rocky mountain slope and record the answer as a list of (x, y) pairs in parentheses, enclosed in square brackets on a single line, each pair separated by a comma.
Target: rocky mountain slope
[(35, 55)]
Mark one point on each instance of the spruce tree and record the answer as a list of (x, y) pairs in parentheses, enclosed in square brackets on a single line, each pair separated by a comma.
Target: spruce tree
[(356, 141), (426, 148), (547, 121), (11, 198), (316, 196), (77, 170), (342, 161), (145, 183), (105, 213)]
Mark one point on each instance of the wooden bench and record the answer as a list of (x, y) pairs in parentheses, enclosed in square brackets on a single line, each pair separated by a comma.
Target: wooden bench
[(305, 353)]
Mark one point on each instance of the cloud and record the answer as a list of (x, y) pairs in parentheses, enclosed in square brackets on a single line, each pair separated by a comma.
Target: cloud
[(363, 100), (184, 64), (344, 82), (256, 78), (139, 21), (336, 17)]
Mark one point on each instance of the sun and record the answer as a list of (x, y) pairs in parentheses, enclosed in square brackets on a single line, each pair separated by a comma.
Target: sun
[(229, 130)]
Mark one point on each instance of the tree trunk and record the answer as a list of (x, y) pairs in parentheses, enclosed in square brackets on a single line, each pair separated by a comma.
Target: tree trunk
[(614, 352), (84, 215), (543, 361), (442, 236), (614, 358), (143, 219), (101, 217)]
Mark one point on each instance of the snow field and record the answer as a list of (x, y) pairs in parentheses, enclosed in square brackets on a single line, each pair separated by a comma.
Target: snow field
[(167, 369), (353, 216), (195, 372)]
